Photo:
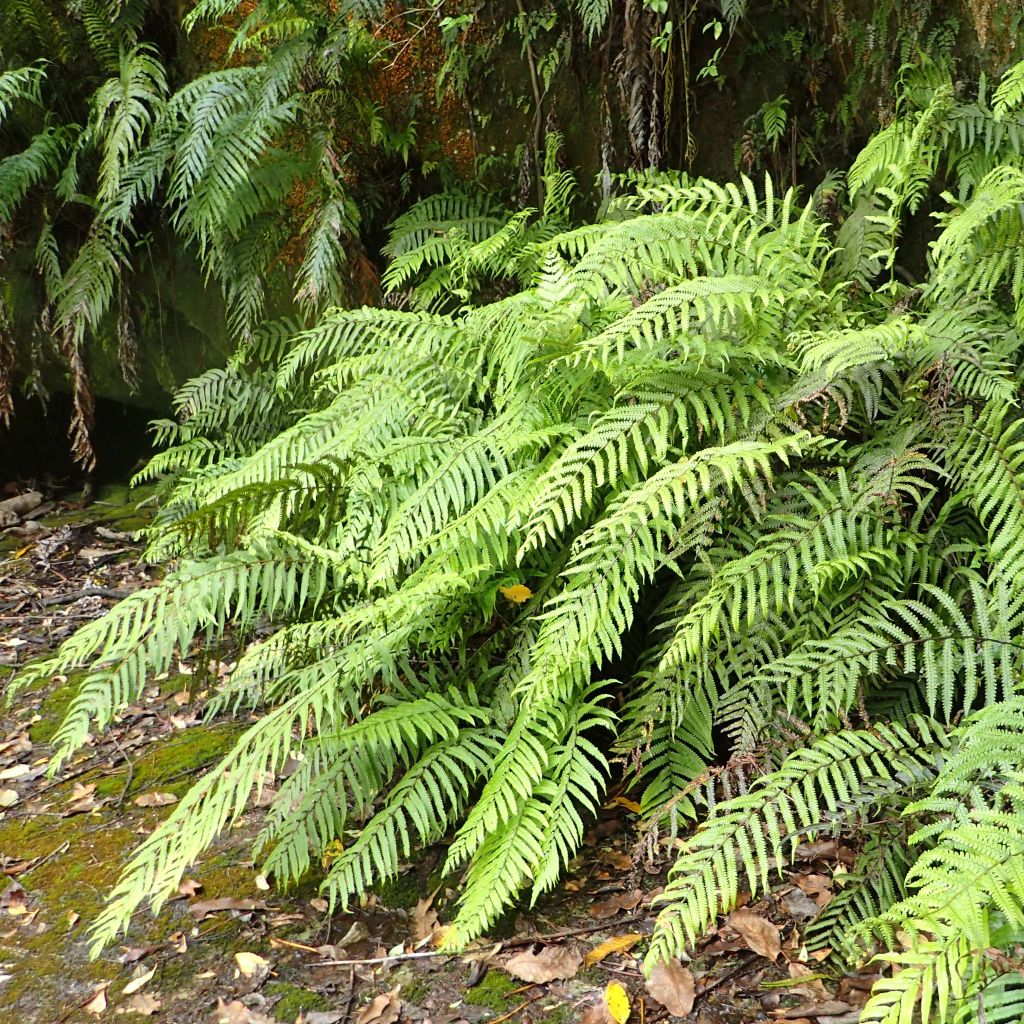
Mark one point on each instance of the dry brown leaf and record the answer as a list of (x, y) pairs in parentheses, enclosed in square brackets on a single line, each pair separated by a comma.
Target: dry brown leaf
[(16, 771), (424, 918), (201, 910), (238, 1013), (155, 800), (619, 944), (143, 1004), (672, 985), (812, 988), (384, 1009), (189, 887), (757, 932), (618, 859), (551, 963), (251, 963), (610, 907), (138, 982), (97, 1003)]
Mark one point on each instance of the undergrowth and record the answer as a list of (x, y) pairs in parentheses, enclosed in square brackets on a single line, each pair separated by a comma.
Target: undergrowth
[(588, 499)]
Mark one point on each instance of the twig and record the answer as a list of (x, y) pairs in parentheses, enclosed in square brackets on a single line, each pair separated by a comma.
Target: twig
[(45, 860), (739, 969), (76, 595), (394, 958), (131, 774), (346, 1009), (526, 940), (518, 1009), (556, 936)]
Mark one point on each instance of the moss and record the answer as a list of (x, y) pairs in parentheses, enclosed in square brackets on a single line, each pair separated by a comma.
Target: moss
[(561, 1014), (494, 992), (295, 1000), (53, 708), (171, 764), (48, 970), (400, 893)]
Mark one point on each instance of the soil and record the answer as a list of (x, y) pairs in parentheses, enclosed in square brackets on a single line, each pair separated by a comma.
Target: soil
[(271, 955)]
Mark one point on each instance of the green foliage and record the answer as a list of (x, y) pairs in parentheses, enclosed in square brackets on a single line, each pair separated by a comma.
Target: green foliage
[(700, 465)]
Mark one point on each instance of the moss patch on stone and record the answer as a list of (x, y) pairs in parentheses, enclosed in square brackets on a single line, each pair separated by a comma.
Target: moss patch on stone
[(294, 1000), (494, 992)]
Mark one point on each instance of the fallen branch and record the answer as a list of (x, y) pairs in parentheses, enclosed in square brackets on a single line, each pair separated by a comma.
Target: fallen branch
[(77, 595)]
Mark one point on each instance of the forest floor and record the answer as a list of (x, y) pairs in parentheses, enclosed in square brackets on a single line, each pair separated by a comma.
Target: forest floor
[(231, 949)]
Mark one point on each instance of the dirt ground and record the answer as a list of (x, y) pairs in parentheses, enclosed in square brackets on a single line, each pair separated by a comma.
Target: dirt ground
[(232, 949)]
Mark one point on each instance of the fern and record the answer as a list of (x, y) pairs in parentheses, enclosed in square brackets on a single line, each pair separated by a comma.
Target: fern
[(701, 445)]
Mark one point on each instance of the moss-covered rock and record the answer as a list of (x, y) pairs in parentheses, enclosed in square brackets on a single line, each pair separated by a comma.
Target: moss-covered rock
[(293, 1000), (494, 992)]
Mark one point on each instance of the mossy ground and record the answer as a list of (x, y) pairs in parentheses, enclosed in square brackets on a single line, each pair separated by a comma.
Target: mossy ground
[(293, 1001), (494, 992)]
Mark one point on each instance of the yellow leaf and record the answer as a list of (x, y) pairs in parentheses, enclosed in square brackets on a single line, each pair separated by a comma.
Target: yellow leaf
[(623, 801), (617, 999), (517, 593), (332, 851), (619, 944)]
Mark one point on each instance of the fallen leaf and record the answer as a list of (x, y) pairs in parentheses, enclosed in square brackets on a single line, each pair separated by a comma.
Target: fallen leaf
[(610, 907), (617, 1000), (201, 910), (319, 905), (517, 593), (238, 1013), (133, 954), (759, 934), (618, 859), (97, 1003), (261, 883), (143, 1004), (80, 791), (14, 900), (619, 944), (73, 918), (251, 963), (139, 982), (155, 800), (8, 798), (323, 1017), (424, 918), (812, 986), (799, 905), (671, 984), (622, 801), (551, 963), (189, 887), (384, 1009), (16, 771)]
